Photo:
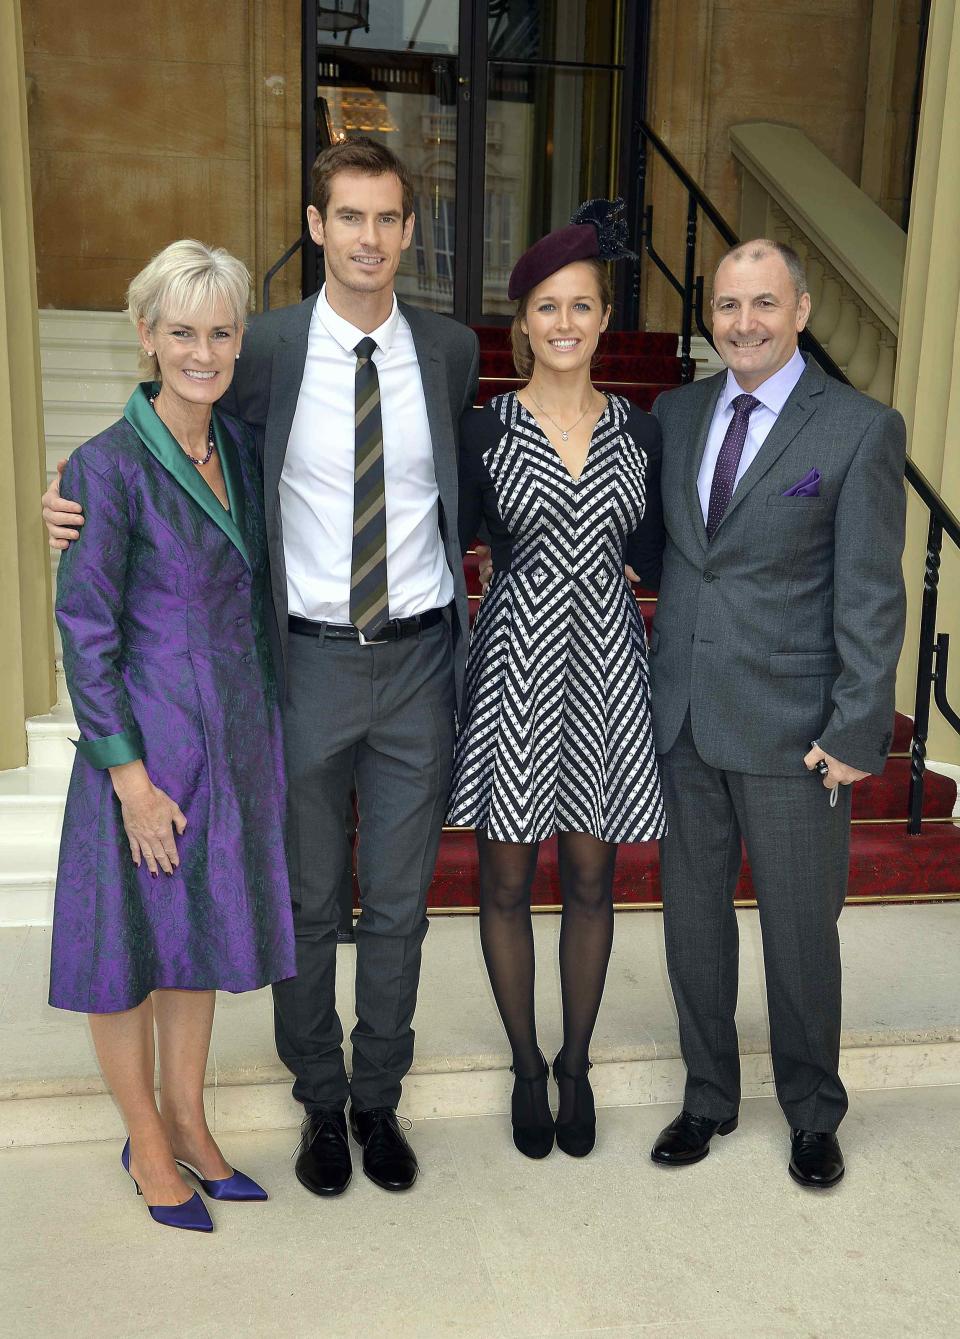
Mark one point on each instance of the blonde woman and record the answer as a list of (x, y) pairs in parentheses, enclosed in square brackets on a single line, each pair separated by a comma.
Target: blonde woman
[(172, 881)]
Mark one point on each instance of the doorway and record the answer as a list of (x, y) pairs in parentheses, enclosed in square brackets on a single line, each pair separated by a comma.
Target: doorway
[(508, 113)]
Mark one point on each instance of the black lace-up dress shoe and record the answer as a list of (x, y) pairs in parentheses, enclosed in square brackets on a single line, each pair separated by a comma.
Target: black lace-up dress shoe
[(323, 1160), (388, 1159), (815, 1159), (687, 1139)]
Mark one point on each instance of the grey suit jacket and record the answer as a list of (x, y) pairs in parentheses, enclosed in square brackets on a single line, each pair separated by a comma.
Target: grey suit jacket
[(265, 391), (785, 627)]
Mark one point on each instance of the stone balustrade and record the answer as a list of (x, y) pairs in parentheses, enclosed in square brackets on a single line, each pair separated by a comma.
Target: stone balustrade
[(853, 253)]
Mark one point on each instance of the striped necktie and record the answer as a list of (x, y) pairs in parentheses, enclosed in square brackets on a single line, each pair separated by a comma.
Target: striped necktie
[(728, 461), (368, 568)]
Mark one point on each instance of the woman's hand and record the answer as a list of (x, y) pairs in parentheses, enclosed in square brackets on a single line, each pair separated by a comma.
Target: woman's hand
[(150, 818), (484, 566)]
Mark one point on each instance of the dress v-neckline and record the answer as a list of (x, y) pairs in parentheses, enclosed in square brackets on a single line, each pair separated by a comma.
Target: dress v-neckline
[(574, 478)]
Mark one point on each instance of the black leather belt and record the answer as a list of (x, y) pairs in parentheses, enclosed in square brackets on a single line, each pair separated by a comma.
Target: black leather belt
[(392, 631)]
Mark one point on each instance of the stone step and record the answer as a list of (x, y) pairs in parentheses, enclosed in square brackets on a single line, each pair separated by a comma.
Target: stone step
[(59, 446), (93, 354), (84, 325), (84, 386), (64, 418), (28, 872), (31, 805), (49, 738), (900, 1027)]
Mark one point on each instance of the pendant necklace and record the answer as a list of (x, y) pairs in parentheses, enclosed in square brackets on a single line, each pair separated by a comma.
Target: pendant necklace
[(205, 459), (564, 432)]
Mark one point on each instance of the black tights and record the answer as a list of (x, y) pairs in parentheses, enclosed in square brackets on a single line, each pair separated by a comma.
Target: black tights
[(586, 935)]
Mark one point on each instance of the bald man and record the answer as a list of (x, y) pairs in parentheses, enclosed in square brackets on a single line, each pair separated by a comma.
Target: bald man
[(773, 655)]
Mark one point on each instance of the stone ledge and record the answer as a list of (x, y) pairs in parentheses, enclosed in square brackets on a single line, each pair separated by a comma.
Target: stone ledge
[(902, 1027), (74, 1110)]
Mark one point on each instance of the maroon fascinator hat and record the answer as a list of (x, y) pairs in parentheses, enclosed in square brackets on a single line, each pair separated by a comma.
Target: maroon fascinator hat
[(597, 231)]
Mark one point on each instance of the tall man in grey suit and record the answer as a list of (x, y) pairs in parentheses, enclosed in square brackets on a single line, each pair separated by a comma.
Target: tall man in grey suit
[(355, 401), (773, 655)]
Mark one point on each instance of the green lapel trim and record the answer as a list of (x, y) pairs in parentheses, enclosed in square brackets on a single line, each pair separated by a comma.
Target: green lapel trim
[(161, 443), (230, 468)]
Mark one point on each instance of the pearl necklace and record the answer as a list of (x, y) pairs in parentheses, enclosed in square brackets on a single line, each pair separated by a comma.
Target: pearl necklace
[(564, 432), (206, 458)]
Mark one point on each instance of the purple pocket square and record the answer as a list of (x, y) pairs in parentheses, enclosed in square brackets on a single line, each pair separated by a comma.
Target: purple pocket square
[(808, 486)]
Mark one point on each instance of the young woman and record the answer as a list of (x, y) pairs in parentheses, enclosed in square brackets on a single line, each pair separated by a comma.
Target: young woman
[(172, 881), (555, 736)]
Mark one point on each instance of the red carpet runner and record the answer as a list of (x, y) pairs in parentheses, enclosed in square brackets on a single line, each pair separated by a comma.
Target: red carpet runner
[(885, 863)]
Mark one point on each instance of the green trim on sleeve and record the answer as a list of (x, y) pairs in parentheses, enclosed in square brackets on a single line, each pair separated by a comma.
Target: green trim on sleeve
[(111, 750)]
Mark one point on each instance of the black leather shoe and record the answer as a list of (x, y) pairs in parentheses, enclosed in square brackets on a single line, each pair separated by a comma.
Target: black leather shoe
[(815, 1159), (388, 1159), (530, 1114), (323, 1163), (577, 1134), (687, 1139)]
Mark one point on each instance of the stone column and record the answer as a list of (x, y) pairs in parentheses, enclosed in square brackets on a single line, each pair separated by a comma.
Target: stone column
[(927, 387), (681, 44), (878, 112), (275, 158), (27, 680)]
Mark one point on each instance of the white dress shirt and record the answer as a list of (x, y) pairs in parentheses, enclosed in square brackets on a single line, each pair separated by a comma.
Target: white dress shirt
[(316, 484), (772, 395)]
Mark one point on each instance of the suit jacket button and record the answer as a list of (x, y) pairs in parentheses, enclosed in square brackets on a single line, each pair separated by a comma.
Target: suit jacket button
[(709, 576)]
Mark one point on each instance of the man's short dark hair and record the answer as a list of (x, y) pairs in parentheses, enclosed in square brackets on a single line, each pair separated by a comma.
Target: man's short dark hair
[(762, 246), (360, 154)]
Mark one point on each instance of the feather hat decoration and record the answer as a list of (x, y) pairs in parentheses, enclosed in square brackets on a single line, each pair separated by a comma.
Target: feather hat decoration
[(607, 216)]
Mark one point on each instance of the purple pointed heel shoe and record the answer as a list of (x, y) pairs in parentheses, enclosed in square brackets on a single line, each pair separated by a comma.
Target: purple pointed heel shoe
[(192, 1216), (237, 1187)]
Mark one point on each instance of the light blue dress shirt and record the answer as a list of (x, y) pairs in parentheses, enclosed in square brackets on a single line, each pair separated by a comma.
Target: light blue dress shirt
[(772, 395)]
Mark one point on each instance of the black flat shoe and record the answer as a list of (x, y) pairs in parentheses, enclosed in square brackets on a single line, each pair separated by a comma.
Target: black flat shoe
[(532, 1132), (323, 1163), (815, 1159), (577, 1134), (388, 1160), (687, 1139)]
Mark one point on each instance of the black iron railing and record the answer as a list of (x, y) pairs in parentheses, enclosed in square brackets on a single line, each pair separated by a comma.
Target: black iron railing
[(934, 647), (278, 265)]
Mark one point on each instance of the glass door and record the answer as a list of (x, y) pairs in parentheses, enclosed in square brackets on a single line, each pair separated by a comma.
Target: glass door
[(390, 69), (508, 114), (552, 88)]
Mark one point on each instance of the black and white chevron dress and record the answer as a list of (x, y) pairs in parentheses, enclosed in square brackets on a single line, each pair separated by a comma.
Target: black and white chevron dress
[(555, 733)]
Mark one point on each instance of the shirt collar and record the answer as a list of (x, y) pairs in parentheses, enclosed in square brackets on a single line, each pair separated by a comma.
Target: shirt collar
[(773, 392), (347, 335)]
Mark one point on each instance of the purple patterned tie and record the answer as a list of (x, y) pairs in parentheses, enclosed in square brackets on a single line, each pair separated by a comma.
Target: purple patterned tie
[(725, 470)]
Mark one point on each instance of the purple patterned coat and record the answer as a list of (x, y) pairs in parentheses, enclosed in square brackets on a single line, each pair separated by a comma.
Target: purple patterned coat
[(159, 605)]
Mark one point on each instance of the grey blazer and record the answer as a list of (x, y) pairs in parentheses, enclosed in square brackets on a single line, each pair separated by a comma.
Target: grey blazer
[(265, 391), (786, 627)]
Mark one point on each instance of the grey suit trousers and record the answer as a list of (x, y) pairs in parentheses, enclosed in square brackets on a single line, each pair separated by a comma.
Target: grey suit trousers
[(380, 718), (799, 852)]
